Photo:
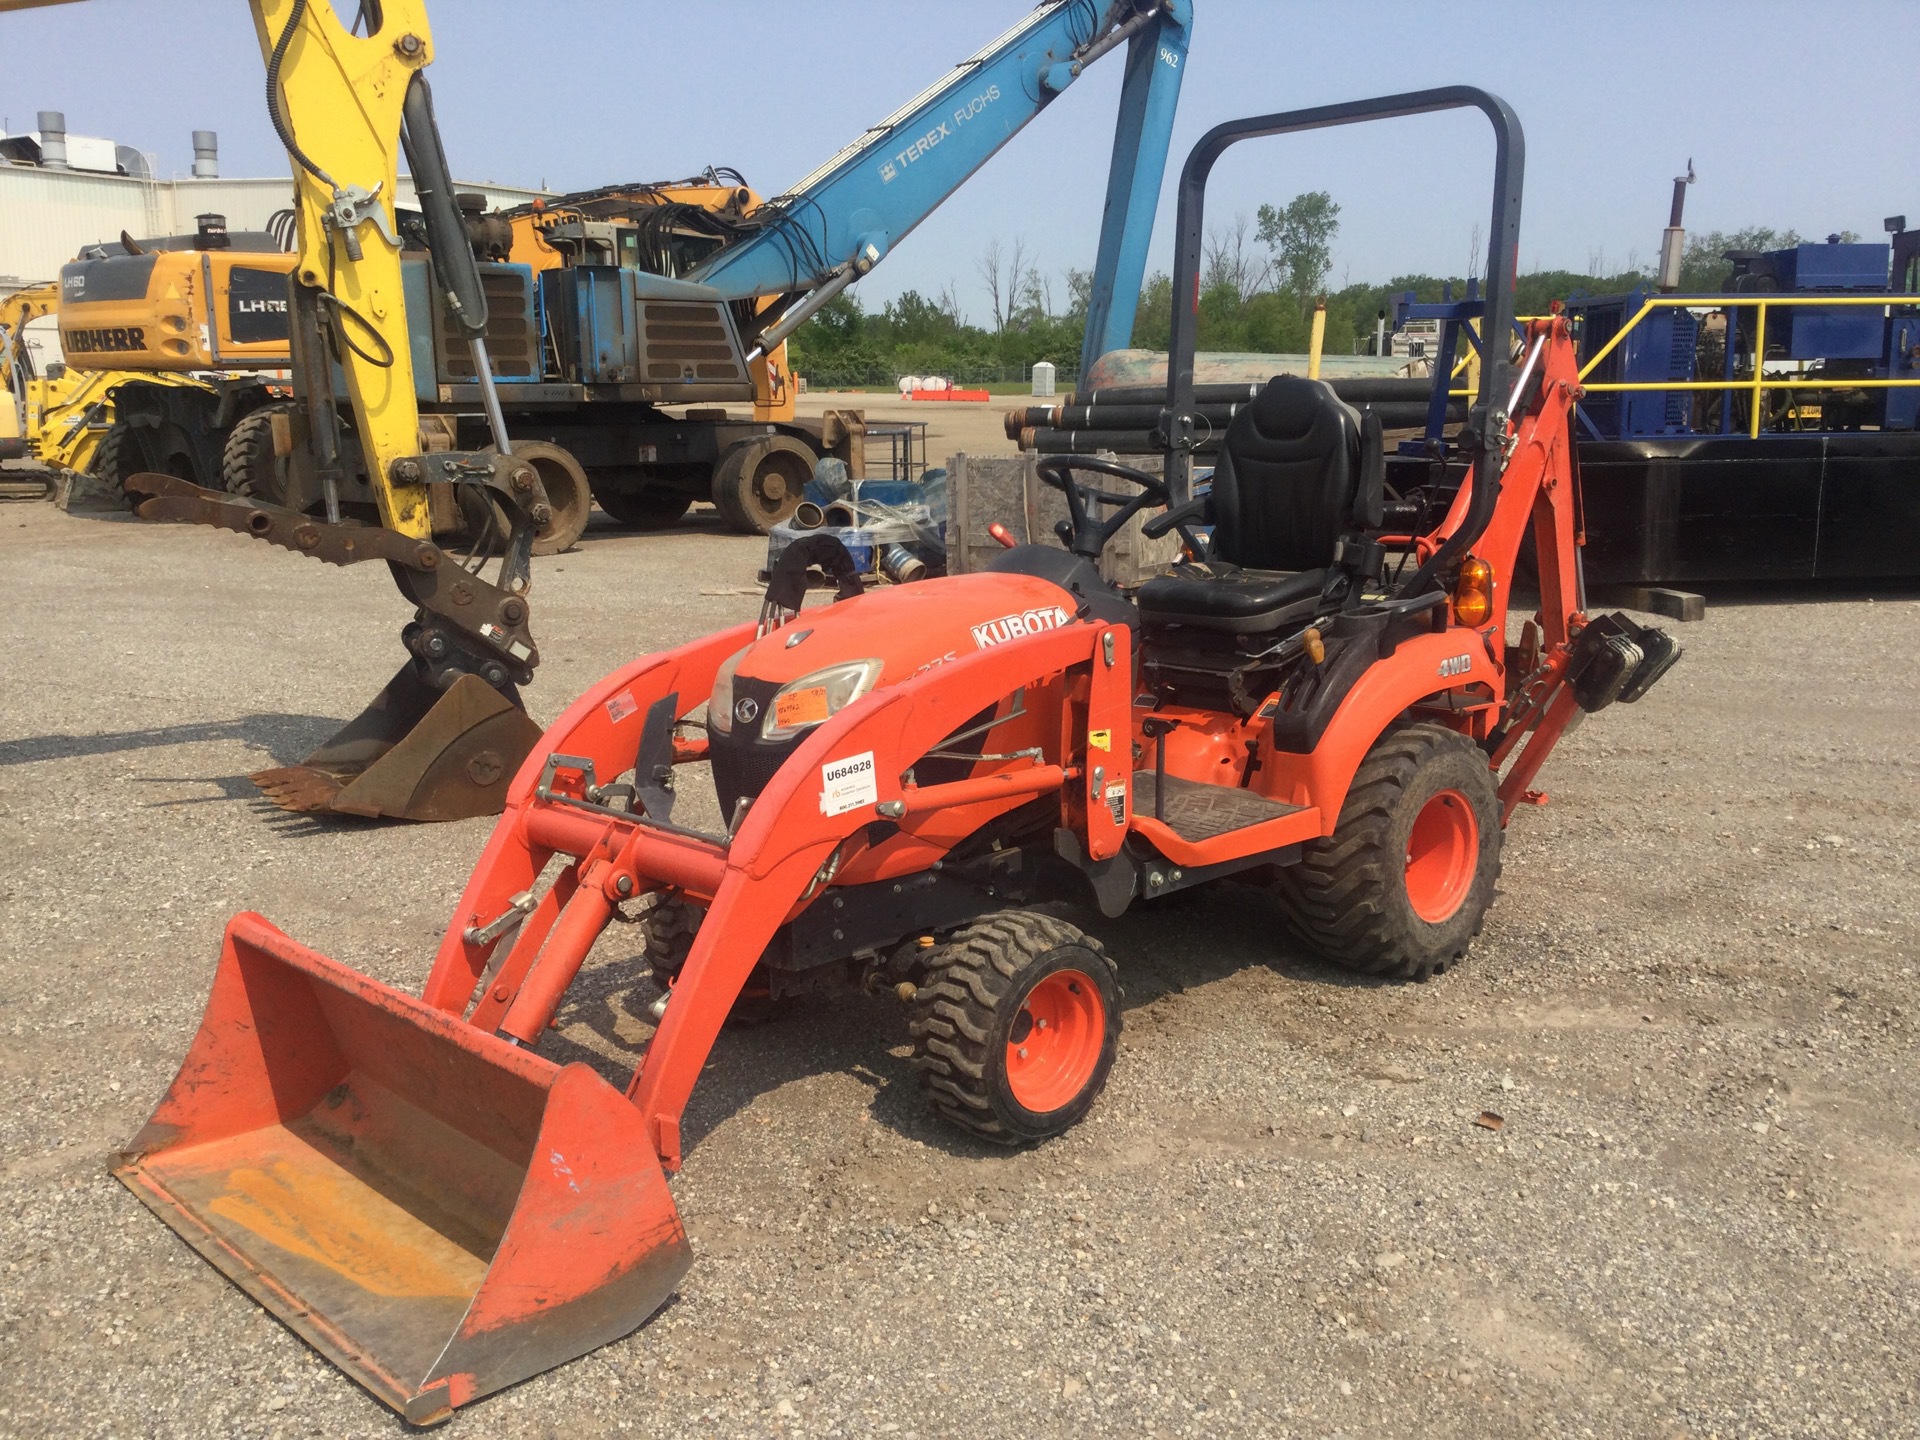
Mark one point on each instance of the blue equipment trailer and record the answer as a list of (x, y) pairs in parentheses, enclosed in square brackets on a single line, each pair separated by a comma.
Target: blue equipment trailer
[(1786, 448)]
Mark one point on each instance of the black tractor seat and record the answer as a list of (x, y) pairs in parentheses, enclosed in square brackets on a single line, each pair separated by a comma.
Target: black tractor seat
[(1214, 595), (1298, 469)]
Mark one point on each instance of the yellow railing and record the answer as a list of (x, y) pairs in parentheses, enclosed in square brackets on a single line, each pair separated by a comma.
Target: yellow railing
[(1759, 383)]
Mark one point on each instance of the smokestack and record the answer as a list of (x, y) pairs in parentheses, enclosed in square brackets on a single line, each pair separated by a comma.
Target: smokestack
[(53, 140), (206, 155), (1673, 241)]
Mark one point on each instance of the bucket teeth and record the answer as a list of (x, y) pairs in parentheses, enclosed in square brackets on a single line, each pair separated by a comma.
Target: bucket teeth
[(299, 788), (415, 753)]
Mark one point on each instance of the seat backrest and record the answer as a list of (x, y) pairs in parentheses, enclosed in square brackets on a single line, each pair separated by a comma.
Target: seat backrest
[(1298, 467)]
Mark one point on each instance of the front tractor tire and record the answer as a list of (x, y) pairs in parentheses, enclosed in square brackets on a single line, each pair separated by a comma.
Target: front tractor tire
[(1015, 1027), (1402, 885), (667, 931)]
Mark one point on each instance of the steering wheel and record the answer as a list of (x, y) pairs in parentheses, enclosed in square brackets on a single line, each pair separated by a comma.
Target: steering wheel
[(1082, 534)]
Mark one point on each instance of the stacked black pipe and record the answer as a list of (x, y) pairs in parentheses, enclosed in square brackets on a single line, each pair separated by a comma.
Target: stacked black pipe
[(1126, 419)]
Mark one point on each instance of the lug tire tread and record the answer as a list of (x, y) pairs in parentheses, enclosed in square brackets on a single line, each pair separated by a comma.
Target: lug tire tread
[(249, 446), (111, 464), (1345, 898), (953, 1023)]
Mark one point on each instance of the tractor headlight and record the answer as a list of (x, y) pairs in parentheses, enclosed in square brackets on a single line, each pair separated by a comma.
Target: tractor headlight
[(720, 703), (812, 698)]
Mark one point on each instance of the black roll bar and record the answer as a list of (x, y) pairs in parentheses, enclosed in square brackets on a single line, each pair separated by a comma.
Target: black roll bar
[(1503, 253)]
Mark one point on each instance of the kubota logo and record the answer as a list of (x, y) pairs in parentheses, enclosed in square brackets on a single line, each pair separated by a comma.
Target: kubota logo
[(1016, 627)]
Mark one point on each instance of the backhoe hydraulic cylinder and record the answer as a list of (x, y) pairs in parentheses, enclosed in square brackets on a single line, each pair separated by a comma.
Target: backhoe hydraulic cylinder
[(453, 264)]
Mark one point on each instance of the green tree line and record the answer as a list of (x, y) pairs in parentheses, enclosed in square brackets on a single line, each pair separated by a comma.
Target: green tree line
[(1260, 279)]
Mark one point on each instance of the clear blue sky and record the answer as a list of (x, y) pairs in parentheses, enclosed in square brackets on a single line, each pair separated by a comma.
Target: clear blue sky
[(1794, 114)]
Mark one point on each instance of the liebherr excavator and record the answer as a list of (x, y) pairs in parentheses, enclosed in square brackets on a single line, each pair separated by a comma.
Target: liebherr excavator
[(444, 737)]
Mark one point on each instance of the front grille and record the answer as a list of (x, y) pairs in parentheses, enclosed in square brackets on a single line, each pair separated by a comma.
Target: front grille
[(742, 767), (742, 764)]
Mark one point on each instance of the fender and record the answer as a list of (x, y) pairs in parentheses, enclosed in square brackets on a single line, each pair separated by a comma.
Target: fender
[(1421, 668)]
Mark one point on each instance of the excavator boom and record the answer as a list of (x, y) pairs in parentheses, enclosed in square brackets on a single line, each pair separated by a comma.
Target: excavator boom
[(839, 222)]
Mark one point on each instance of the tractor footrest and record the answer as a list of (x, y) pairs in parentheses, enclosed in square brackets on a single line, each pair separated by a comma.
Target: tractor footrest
[(1195, 810)]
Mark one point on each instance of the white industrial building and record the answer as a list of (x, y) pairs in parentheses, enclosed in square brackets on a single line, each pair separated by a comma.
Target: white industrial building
[(61, 192)]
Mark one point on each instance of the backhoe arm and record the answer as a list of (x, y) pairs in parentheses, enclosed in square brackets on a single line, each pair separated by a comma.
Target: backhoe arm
[(22, 308), (441, 739), (336, 99)]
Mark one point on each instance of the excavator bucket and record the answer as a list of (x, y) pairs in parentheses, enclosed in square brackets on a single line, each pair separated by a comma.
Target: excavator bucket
[(438, 1212), (415, 753)]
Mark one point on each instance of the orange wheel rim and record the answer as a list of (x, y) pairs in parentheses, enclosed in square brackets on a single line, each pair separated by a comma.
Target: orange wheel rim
[(1054, 1046), (1443, 851)]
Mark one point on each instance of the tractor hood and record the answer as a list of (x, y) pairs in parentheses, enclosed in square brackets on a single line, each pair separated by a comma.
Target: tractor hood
[(769, 697), (778, 688), (909, 628)]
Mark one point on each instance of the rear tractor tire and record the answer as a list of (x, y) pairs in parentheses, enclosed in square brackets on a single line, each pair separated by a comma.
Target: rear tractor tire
[(1016, 1026), (1402, 885)]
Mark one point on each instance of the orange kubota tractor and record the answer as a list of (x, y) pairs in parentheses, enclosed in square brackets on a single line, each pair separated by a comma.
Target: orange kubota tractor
[(1326, 698)]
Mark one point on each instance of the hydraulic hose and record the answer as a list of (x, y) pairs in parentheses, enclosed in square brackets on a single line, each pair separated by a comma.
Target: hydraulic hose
[(454, 267), (280, 125), (1487, 469)]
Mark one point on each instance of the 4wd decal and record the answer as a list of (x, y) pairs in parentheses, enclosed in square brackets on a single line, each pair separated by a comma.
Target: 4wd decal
[(1017, 627), (1458, 665)]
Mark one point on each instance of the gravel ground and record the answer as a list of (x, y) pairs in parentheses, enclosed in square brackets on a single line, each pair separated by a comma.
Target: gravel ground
[(1693, 1005)]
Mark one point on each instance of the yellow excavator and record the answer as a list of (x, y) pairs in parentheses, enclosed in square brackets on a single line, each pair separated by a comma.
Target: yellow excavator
[(67, 417), (362, 474), (445, 735)]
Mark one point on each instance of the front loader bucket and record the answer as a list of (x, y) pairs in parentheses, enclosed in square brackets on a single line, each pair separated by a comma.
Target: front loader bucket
[(415, 753), (438, 1212)]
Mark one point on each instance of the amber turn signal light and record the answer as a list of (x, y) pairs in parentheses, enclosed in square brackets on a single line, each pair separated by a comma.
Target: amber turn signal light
[(1473, 593)]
